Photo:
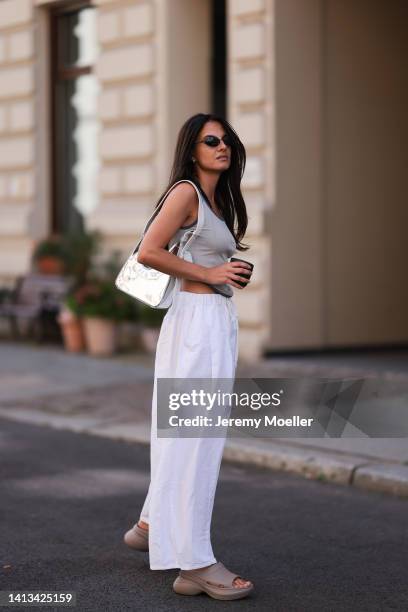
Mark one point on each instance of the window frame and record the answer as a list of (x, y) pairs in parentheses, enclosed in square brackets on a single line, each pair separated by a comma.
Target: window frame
[(59, 72)]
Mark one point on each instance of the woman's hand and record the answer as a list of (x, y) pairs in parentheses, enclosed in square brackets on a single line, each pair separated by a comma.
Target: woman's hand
[(228, 273)]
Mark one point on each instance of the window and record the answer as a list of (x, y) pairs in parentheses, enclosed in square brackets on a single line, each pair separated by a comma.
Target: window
[(74, 116), (219, 58)]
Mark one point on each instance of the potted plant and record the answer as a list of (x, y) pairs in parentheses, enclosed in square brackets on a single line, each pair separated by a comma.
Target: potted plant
[(81, 249), (101, 308), (128, 310), (49, 255), (71, 325), (151, 319)]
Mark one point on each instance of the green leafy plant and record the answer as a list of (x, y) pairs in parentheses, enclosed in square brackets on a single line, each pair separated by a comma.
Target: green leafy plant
[(130, 308), (100, 298), (97, 298), (82, 248), (151, 317), (71, 303), (94, 293), (53, 246), (110, 267)]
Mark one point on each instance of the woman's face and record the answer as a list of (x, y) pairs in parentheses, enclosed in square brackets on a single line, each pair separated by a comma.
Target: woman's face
[(212, 158)]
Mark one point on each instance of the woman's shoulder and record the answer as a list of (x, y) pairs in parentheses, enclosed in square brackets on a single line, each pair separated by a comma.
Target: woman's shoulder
[(184, 189), (181, 200)]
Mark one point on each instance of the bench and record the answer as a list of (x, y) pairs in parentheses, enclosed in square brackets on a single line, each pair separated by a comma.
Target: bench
[(36, 298)]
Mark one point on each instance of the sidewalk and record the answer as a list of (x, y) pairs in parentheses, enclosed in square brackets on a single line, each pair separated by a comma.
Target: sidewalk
[(112, 398)]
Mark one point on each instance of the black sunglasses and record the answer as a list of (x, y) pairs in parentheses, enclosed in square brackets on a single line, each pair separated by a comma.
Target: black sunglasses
[(214, 141)]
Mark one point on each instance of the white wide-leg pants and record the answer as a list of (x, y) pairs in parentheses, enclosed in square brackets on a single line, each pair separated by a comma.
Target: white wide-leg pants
[(198, 339)]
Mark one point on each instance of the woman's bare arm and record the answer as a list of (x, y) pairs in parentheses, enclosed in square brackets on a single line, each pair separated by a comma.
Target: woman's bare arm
[(173, 214)]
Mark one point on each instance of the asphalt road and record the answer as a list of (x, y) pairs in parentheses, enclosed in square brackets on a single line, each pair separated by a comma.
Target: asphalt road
[(67, 498)]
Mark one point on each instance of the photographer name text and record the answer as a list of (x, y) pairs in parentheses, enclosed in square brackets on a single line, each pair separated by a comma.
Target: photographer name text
[(256, 422)]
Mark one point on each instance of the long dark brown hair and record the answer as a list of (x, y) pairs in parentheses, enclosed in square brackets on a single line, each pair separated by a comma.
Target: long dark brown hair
[(228, 194)]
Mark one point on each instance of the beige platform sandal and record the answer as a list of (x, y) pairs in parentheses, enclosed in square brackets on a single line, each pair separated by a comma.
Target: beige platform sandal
[(215, 580), (137, 538)]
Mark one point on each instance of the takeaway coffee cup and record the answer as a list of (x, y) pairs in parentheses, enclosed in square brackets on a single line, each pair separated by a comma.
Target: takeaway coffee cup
[(243, 283)]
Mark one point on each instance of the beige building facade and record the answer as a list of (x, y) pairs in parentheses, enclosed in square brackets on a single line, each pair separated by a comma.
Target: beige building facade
[(92, 95)]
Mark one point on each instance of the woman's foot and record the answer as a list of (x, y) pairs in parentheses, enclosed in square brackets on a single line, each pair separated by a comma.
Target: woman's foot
[(138, 537), (241, 583), (215, 580), (238, 581), (143, 525)]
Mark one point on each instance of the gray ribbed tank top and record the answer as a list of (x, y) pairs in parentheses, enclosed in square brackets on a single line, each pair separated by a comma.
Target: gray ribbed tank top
[(214, 244)]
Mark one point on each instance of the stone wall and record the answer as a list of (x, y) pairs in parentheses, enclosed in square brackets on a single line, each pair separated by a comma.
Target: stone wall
[(125, 71), (17, 170), (250, 69)]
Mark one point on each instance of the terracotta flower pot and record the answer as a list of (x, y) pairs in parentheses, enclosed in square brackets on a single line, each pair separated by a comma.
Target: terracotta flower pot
[(150, 336), (50, 265), (72, 332), (101, 335)]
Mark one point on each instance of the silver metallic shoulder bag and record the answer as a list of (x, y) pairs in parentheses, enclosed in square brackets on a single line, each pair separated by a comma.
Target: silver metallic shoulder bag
[(146, 284)]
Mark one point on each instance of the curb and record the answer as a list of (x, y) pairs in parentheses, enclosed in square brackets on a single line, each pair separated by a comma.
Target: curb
[(388, 478), (336, 467), (309, 463)]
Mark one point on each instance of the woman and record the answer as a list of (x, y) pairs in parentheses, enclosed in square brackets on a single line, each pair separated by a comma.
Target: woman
[(198, 338)]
